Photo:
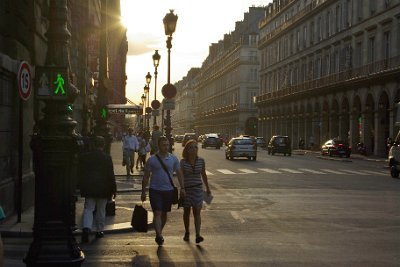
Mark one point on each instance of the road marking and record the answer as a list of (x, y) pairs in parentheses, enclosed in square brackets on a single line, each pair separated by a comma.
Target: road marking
[(355, 172), (289, 170), (247, 171), (209, 173), (332, 171), (269, 170), (236, 216), (312, 171), (225, 171), (378, 173)]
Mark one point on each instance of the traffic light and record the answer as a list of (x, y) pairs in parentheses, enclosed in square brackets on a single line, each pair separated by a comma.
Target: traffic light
[(52, 83), (103, 112)]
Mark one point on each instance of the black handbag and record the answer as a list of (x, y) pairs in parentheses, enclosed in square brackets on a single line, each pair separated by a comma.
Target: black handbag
[(110, 208), (139, 219), (175, 198)]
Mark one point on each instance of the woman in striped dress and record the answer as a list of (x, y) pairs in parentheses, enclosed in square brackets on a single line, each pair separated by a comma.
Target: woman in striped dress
[(194, 172)]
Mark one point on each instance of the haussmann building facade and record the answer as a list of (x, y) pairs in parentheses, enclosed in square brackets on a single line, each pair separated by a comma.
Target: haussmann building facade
[(330, 69)]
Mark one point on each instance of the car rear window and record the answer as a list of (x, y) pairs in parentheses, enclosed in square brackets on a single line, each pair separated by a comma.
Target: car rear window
[(281, 140), (243, 142)]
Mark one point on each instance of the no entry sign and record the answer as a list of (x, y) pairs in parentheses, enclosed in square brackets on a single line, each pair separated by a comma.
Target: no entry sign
[(24, 80)]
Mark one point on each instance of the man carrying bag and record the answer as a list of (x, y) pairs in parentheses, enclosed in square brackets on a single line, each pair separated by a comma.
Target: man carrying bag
[(161, 191), (139, 218)]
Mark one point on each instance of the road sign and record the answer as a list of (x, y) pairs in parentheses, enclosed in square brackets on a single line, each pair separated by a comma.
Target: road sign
[(155, 104), (52, 83), (168, 104), (169, 91), (124, 109), (24, 80), (155, 112)]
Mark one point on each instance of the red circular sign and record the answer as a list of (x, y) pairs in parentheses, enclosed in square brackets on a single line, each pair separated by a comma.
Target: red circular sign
[(168, 91), (155, 104), (24, 80), (148, 110)]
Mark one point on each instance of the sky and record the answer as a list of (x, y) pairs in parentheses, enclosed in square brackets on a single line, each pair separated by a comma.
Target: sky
[(200, 23)]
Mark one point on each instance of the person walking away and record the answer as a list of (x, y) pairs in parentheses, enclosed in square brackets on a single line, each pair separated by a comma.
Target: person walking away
[(160, 190), (301, 143), (155, 135), (144, 148), (97, 185), (130, 144), (140, 137), (194, 176)]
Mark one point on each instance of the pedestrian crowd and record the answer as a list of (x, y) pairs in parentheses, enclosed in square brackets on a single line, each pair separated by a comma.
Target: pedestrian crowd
[(97, 181)]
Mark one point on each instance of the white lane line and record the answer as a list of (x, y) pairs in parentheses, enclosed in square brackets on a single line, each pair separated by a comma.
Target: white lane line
[(332, 171), (209, 173), (377, 173), (236, 216), (355, 172), (289, 170), (269, 170), (312, 171), (247, 171), (225, 171)]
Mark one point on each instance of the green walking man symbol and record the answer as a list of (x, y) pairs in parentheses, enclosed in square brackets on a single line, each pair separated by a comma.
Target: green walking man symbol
[(60, 83)]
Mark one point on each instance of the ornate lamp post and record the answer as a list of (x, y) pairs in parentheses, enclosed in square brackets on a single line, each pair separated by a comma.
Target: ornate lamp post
[(144, 111), (155, 104), (169, 90), (148, 108), (55, 145)]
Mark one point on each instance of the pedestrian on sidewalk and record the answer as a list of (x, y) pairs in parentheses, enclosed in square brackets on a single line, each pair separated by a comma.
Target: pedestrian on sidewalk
[(140, 137), (144, 148), (97, 185), (161, 191), (130, 145), (194, 173), (155, 135)]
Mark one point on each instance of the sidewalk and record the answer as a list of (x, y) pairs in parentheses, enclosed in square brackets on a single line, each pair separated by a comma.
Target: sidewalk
[(128, 195)]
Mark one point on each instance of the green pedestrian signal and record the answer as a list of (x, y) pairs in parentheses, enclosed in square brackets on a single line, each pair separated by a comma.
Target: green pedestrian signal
[(103, 113), (360, 119), (60, 85)]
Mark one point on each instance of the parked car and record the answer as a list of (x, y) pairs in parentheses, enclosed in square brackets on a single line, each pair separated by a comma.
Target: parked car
[(336, 147), (211, 140), (279, 144), (241, 147), (187, 137), (261, 142)]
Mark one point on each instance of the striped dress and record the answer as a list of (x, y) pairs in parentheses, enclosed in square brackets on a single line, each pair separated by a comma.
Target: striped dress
[(193, 182)]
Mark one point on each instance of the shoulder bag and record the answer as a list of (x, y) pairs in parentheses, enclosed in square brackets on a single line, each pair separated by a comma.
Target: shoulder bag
[(175, 197)]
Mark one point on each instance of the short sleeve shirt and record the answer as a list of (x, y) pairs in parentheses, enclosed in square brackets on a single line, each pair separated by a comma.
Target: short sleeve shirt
[(159, 179)]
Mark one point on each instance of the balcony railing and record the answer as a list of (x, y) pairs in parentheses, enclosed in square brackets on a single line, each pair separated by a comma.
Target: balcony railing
[(354, 74), (227, 109)]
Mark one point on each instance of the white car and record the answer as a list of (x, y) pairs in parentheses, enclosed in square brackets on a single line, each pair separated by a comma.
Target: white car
[(241, 147)]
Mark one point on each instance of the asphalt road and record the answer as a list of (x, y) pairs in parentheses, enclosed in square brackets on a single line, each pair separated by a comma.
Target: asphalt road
[(277, 211)]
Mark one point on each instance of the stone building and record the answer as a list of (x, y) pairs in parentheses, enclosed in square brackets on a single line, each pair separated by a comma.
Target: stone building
[(224, 88), (330, 69)]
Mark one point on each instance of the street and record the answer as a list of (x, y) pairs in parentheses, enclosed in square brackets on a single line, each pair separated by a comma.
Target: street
[(277, 211)]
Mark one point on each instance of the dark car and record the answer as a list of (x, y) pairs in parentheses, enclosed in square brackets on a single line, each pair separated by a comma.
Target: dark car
[(187, 137), (336, 147), (211, 140), (280, 144), (261, 142)]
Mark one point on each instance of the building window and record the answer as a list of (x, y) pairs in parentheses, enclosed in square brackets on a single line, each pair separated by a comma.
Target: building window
[(347, 13), (338, 18), (319, 29), (291, 44), (358, 54), (372, 6), (305, 36), (328, 23), (371, 50), (327, 64), (298, 40), (359, 9), (386, 46), (312, 33)]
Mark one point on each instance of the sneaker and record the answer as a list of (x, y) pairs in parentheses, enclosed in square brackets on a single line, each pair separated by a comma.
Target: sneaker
[(186, 237), (159, 240), (99, 234), (199, 239)]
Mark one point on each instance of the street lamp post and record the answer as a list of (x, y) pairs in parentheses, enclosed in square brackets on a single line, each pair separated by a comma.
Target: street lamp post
[(155, 103), (55, 146), (169, 90), (144, 111)]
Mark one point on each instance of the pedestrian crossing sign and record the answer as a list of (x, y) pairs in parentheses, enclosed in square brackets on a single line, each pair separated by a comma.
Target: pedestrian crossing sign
[(52, 83)]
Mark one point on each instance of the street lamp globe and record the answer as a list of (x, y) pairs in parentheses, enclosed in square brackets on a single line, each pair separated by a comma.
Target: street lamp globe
[(146, 88), (156, 59), (170, 22), (148, 78)]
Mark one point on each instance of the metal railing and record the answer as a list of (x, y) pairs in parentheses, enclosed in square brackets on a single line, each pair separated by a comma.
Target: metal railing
[(352, 74)]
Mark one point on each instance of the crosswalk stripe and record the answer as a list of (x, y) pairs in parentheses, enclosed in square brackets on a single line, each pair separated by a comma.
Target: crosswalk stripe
[(355, 172), (209, 173), (269, 170), (312, 171), (247, 171), (374, 172), (225, 171), (332, 171), (289, 170)]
